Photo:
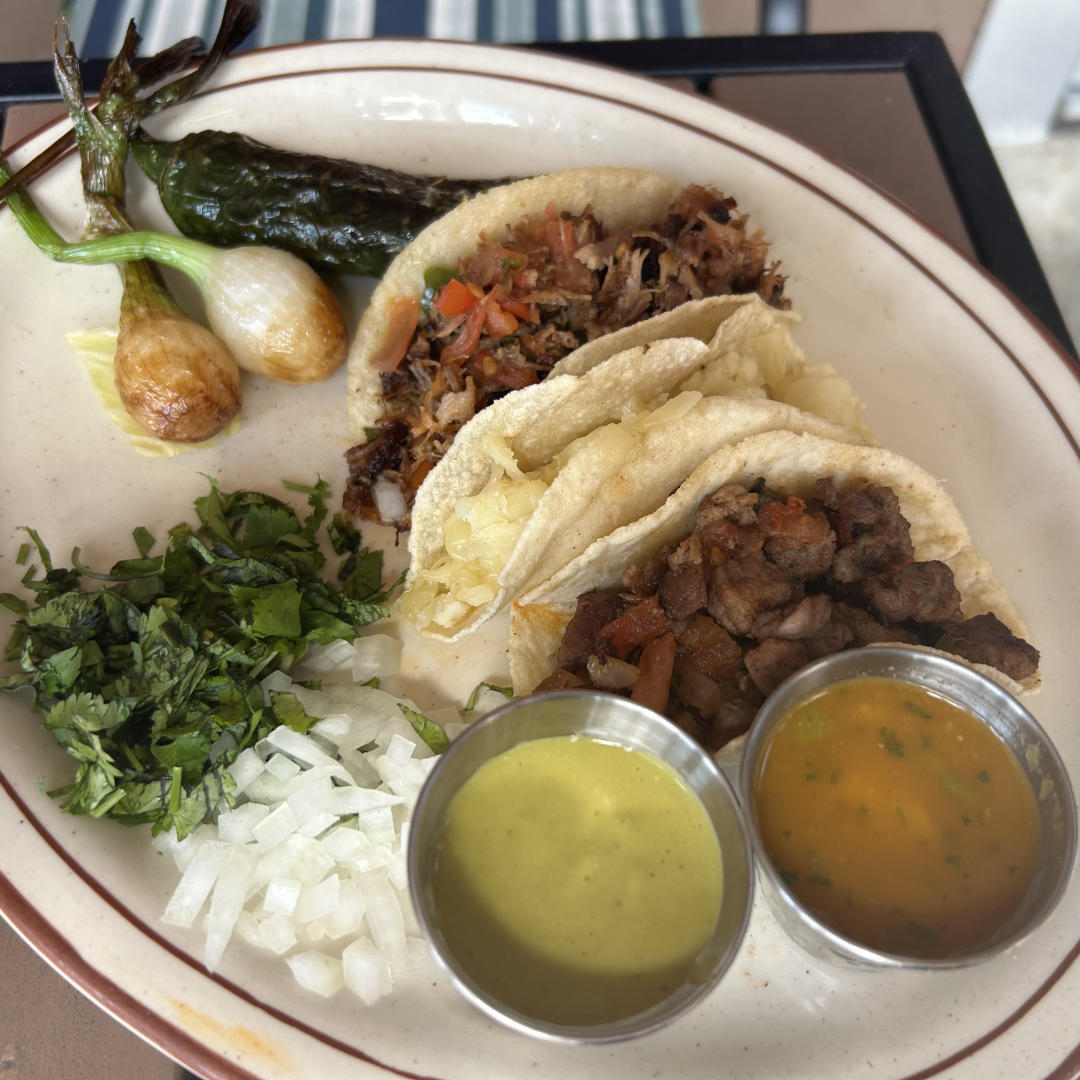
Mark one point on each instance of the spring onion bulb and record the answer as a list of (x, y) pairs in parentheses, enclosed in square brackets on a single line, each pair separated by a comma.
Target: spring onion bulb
[(275, 314), (174, 376)]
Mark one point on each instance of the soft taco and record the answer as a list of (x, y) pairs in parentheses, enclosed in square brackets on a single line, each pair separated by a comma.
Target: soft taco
[(540, 474), (490, 297), (777, 549)]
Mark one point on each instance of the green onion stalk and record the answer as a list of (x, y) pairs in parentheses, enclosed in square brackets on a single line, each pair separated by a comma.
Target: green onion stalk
[(271, 309)]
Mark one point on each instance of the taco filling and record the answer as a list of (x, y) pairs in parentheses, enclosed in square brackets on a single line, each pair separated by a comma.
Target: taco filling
[(506, 314), (764, 583)]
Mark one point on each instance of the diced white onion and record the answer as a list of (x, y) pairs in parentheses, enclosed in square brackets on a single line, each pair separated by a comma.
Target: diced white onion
[(195, 884), (313, 853), (388, 500), (317, 971), (281, 896), (366, 970)]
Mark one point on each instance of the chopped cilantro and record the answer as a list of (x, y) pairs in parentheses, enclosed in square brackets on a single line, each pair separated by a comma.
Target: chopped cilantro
[(151, 682), (918, 710), (427, 729), (891, 742), (983, 777), (813, 724), (953, 860), (506, 691)]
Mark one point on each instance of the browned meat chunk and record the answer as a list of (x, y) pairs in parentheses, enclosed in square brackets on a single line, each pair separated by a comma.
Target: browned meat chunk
[(727, 520), (866, 630), (773, 660), (922, 591), (832, 637), (985, 639), (731, 503), (367, 462), (872, 535), (806, 618), (736, 713), (800, 541), (709, 647), (595, 610), (644, 580), (744, 587), (683, 591), (560, 679)]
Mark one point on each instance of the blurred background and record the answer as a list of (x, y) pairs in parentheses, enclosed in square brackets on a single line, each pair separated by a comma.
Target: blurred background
[(1020, 64)]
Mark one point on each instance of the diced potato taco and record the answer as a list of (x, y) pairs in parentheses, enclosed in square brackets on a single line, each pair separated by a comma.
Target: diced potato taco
[(532, 480), (778, 548)]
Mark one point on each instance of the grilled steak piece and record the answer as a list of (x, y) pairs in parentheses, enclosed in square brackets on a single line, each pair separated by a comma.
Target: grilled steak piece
[(772, 661), (985, 639), (923, 591), (797, 539), (644, 580), (742, 588), (705, 629), (872, 535), (709, 647), (684, 591), (560, 679), (582, 637)]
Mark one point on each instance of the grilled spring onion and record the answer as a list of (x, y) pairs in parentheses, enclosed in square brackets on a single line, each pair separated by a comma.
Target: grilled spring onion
[(174, 377), (225, 188), (272, 310)]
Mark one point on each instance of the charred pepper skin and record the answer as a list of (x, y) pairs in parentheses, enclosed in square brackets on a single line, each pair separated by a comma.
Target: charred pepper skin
[(227, 189)]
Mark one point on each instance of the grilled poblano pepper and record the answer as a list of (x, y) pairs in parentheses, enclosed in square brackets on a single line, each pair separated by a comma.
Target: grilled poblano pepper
[(224, 188)]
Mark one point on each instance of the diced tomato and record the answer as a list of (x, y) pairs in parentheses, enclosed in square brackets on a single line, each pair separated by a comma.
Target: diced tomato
[(499, 323), (455, 298), (639, 623), (401, 325), (654, 673), (468, 337), (525, 312)]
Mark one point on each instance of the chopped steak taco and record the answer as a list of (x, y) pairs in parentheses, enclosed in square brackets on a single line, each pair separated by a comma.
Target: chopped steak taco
[(491, 296), (531, 481), (777, 550)]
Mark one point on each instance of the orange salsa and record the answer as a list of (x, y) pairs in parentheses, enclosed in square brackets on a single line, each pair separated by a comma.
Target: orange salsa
[(897, 818)]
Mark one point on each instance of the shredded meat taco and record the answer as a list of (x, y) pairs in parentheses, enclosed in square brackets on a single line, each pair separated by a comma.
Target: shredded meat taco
[(778, 550), (491, 297)]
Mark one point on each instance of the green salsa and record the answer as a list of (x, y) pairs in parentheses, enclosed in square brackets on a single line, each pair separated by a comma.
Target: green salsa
[(577, 881)]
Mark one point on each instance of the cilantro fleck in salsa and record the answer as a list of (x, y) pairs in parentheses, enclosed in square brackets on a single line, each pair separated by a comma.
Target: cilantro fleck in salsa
[(896, 817)]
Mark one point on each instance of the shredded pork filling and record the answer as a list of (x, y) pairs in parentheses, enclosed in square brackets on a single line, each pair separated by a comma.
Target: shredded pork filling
[(704, 630), (513, 310)]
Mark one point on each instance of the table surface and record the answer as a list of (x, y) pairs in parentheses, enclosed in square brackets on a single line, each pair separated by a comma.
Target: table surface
[(839, 95)]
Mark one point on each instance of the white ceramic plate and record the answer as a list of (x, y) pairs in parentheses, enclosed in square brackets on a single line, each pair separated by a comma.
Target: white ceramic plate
[(954, 374)]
